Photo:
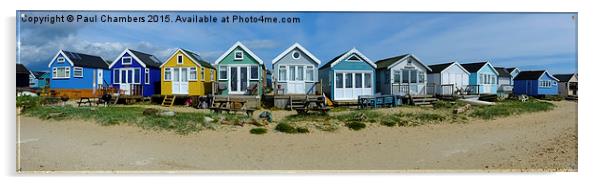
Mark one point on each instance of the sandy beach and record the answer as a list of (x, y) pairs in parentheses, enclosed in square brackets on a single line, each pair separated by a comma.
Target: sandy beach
[(543, 141)]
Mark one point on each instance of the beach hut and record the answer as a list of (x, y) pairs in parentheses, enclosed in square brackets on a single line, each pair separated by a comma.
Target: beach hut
[(483, 77), (567, 84), (296, 71), (535, 83), (448, 78), (348, 76), (136, 73), (240, 72), (504, 80), (39, 79), (78, 75), (513, 72), (23, 76), (184, 73), (401, 75)]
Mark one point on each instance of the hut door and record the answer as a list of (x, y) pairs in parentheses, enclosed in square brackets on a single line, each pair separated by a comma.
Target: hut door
[(180, 80), (295, 84)]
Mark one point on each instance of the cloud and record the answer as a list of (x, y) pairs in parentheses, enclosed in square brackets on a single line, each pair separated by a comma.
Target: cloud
[(37, 56)]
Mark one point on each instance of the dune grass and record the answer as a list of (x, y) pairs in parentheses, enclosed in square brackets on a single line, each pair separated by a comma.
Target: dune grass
[(510, 107), (181, 123)]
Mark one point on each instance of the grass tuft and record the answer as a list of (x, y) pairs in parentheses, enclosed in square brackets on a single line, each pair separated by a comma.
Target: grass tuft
[(258, 130)]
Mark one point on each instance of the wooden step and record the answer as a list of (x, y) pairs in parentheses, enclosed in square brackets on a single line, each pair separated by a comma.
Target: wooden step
[(168, 101)]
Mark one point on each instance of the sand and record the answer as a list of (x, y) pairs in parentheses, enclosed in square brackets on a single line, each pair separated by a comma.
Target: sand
[(544, 141)]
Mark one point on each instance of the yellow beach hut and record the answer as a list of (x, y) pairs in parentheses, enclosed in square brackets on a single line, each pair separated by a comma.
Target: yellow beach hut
[(186, 74)]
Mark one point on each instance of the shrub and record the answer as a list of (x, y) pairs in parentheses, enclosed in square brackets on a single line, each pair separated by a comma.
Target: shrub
[(258, 130), (328, 126), (390, 120), (286, 128), (508, 108), (302, 130), (27, 102), (442, 105), (355, 125)]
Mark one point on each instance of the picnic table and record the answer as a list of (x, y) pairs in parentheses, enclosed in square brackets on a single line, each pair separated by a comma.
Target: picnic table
[(318, 104), (377, 101), (84, 100), (231, 105)]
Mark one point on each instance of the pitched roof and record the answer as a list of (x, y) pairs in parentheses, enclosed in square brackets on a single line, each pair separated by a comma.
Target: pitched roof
[(21, 69), (531, 75), (38, 74), (502, 72), (298, 46), (243, 47), (437, 68), (332, 61), (474, 67), (384, 63), (148, 59), (85, 60), (510, 69), (197, 58), (564, 77)]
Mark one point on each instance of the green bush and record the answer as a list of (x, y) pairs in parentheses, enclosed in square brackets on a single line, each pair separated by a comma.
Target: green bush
[(355, 125), (258, 130), (286, 128), (302, 130), (27, 102), (508, 108), (390, 120)]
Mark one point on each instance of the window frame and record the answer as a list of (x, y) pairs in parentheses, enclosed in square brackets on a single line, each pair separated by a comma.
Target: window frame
[(310, 75), (123, 60), (282, 78), (211, 74), (219, 73), (180, 59), (191, 74), (165, 71), (251, 72), (202, 74), (116, 76), (60, 60), (81, 69), (293, 55), (146, 76), (242, 55), (67, 73)]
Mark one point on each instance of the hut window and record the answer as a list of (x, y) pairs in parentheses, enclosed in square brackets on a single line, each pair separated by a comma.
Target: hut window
[(420, 77), (254, 72), (348, 80), (116, 76), (292, 70), (413, 75), (192, 74), (78, 72), (396, 76), (211, 73), (339, 80), (60, 60), (300, 73), (203, 73), (296, 55), (282, 73), (146, 76), (61, 72), (309, 72), (404, 76), (367, 80), (358, 80), (223, 73), (180, 59), (137, 76), (126, 60), (167, 74), (353, 59), (238, 55)]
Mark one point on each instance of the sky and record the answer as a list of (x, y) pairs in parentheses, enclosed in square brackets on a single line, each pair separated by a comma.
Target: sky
[(529, 41)]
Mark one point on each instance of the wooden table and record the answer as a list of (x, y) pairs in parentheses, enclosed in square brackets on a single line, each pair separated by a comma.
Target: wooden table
[(84, 100), (318, 105), (231, 105)]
